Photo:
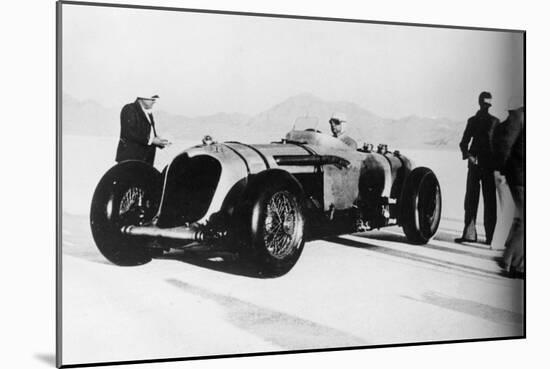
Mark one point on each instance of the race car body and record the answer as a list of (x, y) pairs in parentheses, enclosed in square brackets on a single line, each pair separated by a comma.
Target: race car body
[(261, 200)]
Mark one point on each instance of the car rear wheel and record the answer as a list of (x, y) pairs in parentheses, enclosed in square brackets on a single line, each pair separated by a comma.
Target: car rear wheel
[(276, 220), (128, 194), (420, 205)]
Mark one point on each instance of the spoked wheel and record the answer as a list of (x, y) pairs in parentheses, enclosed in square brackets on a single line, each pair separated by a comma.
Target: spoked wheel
[(276, 222), (420, 205), (136, 207), (128, 194), (282, 225)]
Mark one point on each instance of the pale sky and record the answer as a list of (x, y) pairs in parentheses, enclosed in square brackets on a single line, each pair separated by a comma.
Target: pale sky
[(202, 64)]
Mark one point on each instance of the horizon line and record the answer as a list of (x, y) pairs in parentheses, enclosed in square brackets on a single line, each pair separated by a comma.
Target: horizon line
[(250, 116)]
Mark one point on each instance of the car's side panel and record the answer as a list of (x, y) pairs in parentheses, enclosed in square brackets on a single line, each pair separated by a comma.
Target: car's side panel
[(376, 176), (340, 186), (276, 149)]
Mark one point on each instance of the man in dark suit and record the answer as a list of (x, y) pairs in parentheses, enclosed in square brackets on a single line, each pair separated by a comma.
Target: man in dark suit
[(138, 136), (477, 147), (509, 144)]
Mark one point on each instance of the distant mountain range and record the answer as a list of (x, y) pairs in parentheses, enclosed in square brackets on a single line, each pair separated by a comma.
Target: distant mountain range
[(89, 118)]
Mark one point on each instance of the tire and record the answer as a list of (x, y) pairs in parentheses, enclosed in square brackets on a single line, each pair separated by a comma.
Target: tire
[(128, 194), (420, 208), (274, 217)]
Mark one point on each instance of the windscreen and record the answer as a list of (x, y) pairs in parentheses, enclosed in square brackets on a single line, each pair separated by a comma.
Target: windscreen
[(306, 123)]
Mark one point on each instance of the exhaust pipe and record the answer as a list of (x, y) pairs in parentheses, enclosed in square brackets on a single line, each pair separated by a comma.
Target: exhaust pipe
[(177, 233)]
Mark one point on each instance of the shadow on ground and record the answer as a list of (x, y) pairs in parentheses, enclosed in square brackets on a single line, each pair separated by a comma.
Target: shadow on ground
[(426, 260), (218, 261), (465, 249)]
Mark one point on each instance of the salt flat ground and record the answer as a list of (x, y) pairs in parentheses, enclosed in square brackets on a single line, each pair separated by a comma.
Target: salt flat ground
[(352, 290)]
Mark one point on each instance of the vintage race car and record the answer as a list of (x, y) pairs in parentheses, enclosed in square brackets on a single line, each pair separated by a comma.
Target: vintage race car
[(261, 201)]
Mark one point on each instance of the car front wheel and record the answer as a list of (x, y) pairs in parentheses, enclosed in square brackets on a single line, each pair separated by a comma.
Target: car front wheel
[(128, 194), (276, 220)]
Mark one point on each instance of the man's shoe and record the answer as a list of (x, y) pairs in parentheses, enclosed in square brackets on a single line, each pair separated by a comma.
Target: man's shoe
[(462, 240)]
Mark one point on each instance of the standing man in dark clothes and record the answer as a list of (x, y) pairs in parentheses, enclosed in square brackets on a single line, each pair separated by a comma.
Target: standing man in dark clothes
[(509, 145), (479, 132), (138, 136)]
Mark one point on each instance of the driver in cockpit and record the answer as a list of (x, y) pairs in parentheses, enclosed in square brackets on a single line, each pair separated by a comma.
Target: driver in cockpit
[(338, 125)]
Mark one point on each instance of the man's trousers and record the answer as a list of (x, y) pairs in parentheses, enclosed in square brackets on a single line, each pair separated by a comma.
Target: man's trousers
[(484, 178)]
